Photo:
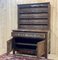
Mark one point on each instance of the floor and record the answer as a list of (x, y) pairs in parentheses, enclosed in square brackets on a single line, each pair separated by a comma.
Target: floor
[(50, 56), (20, 57), (53, 56)]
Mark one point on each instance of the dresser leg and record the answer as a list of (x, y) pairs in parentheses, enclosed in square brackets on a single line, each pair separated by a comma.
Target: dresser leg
[(45, 55), (13, 51)]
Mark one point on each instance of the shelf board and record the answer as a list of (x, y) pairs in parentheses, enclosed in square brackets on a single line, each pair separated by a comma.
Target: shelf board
[(26, 44), (31, 30)]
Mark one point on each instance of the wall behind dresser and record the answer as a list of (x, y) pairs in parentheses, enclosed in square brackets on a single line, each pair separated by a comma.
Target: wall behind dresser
[(3, 25), (8, 22)]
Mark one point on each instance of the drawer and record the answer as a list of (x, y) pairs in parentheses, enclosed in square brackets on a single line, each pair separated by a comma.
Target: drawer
[(28, 34)]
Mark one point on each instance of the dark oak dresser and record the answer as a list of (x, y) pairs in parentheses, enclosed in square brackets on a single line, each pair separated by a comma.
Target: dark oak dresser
[(33, 28)]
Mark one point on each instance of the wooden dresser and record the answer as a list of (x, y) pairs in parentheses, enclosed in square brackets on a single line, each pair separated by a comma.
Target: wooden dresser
[(33, 27)]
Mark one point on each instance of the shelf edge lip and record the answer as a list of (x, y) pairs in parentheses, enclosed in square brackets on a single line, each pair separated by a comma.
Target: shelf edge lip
[(44, 4), (30, 30)]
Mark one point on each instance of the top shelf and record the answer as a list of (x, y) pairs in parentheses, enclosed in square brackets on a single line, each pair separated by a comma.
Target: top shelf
[(33, 5)]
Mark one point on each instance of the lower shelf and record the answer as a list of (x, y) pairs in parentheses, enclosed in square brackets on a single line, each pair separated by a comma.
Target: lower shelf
[(26, 51), (24, 46)]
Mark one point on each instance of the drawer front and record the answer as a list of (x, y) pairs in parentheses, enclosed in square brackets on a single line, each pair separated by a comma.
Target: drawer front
[(28, 34)]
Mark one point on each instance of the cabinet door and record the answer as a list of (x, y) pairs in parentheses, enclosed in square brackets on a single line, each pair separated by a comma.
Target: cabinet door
[(41, 48)]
